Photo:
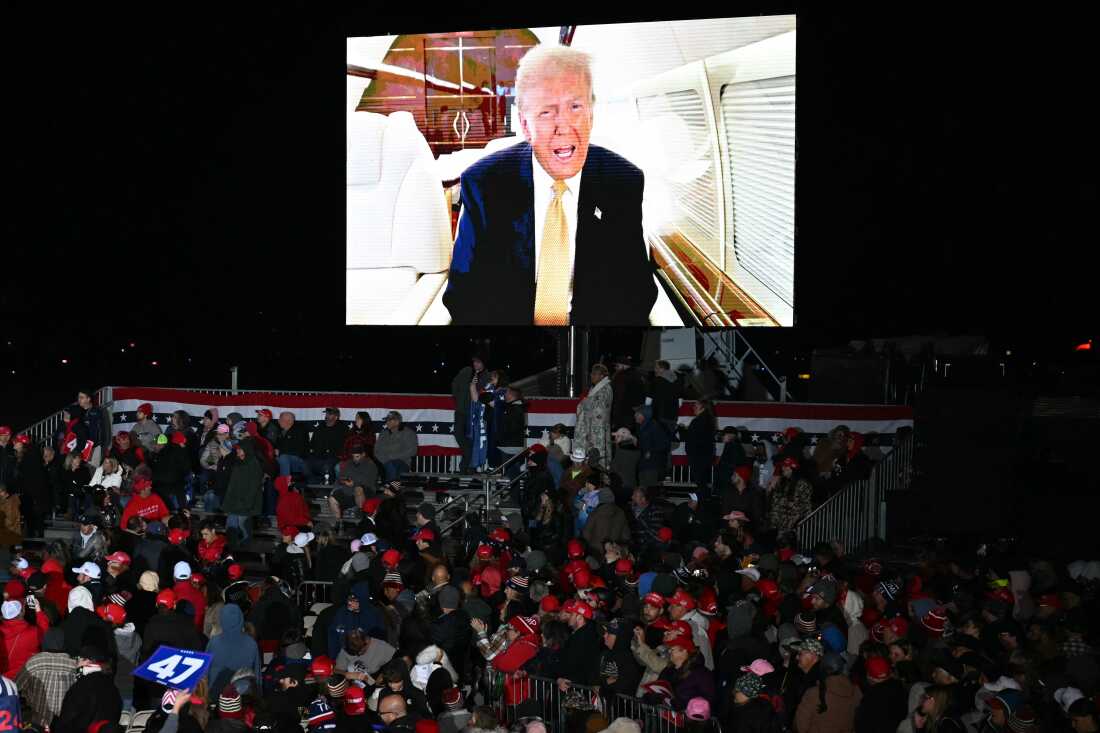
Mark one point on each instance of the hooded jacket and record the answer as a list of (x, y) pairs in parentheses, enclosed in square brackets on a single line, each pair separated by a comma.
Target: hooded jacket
[(291, 508), (93, 697), (244, 496), (654, 442), (20, 641), (82, 625), (232, 649), (841, 700), (368, 618), (621, 660), (606, 522)]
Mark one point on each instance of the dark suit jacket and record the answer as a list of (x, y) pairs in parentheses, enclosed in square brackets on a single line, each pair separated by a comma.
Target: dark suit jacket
[(492, 278)]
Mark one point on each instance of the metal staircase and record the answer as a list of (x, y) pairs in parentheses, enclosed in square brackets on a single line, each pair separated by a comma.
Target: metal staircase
[(735, 354)]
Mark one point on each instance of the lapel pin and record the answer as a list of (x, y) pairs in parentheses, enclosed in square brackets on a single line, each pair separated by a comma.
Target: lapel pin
[(598, 213)]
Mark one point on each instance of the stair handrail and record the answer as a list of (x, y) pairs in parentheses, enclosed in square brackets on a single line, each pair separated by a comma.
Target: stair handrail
[(739, 360), (892, 473)]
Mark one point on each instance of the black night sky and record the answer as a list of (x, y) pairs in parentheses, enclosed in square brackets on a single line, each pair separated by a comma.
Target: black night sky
[(175, 181)]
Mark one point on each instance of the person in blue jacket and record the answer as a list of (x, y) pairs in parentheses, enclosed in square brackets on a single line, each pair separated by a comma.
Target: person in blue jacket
[(359, 613), (232, 649)]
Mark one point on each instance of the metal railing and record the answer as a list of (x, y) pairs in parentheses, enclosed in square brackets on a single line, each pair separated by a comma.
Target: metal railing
[(515, 696), (309, 592), (858, 511), (737, 350), (44, 430)]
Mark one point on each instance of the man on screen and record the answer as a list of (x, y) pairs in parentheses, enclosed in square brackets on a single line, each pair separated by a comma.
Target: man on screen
[(534, 245)]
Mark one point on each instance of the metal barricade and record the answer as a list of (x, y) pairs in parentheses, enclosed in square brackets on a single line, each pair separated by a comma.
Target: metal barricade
[(309, 592), (517, 695)]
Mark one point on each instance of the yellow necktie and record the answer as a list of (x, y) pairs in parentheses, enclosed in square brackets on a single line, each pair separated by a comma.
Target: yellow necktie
[(555, 270)]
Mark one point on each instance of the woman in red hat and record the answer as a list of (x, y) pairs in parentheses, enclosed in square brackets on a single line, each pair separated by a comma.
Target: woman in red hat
[(686, 672)]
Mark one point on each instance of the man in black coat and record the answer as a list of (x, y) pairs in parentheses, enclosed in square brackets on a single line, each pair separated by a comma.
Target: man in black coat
[(451, 630), (326, 444), (530, 232), (664, 390), (629, 392), (292, 446), (93, 697), (885, 701), (579, 653)]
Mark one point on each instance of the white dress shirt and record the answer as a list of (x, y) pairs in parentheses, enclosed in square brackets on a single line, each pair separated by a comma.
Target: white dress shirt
[(544, 194)]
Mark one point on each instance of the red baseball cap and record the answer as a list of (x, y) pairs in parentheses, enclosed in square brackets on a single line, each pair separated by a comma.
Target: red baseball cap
[(146, 408), (684, 642), (112, 613), (390, 558), (500, 534), (654, 599), (682, 598), (788, 462), (289, 531), (141, 482), (678, 628), (877, 668), (197, 579), (5, 430), (582, 609), (265, 412), (22, 439), (235, 571), (179, 438), (166, 597), (119, 557), (355, 701), (574, 549), (1051, 600), (582, 579), (370, 506), (484, 552), (321, 666), (177, 536), (664, 534), (424, 534), (624, 566), (550, 604)]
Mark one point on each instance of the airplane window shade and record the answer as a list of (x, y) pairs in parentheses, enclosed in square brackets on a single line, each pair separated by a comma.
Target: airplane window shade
[(759, 127), (687, 173)]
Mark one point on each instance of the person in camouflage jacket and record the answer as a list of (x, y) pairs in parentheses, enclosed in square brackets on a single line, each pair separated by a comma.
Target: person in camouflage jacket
[(790, 497)]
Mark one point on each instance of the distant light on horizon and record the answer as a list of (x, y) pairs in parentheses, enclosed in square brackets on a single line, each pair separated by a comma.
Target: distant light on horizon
[(154, 363), (64, 361)]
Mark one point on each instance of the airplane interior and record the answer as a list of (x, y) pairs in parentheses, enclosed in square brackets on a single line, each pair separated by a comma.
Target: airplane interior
[(706, 108)]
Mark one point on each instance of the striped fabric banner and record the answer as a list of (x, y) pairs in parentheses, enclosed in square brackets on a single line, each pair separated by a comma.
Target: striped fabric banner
[(432, 416)]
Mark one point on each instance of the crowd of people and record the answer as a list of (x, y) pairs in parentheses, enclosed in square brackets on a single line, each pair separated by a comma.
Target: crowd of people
[(598, 588)]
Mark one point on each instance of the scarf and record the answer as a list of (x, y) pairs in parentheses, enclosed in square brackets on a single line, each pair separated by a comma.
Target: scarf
[(605, 382)]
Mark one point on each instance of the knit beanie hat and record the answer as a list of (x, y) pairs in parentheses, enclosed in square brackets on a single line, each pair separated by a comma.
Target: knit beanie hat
[(229, 703), (336, 686), (806, 623)]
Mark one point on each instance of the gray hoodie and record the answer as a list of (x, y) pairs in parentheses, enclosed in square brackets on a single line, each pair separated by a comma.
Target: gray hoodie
[(129, 648)]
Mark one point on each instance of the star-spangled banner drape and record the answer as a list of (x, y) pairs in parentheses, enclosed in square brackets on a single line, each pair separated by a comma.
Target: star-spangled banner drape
[(432, 416)]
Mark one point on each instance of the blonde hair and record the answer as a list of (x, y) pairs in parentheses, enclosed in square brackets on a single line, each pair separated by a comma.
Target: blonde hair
[(112, 462), (548, 61)]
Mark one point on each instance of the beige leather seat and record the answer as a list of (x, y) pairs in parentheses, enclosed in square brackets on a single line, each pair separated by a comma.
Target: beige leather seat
[(398, 226)]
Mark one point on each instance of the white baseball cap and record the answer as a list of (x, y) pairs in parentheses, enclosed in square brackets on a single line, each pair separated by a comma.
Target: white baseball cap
[(693, 496), (21, 563), (11, 609), (90, 569), (368, 539), (304, 538), (182, 571), (750, 573)]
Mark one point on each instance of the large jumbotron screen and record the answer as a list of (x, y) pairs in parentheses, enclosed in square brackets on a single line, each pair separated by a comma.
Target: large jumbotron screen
[(594, 175)]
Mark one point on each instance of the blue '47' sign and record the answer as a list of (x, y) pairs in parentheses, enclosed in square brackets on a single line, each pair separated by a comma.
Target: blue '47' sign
[(179, 669)]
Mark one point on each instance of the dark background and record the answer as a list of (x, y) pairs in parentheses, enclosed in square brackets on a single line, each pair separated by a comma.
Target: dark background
[(176, 182)]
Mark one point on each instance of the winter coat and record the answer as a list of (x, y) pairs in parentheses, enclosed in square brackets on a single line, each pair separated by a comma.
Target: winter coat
[(883, 707), (244, 495), (790, 502), (451, 632), (606, 522), (328, 441), (699, 440), (629, 390), (578, 655), (33, 484), (665, 391), (755, 716), (291, 508), (145, 434), (752, 501), (593, 429), (698, 681), (273, 614), (369, 619), (20, 641), (841, 700), (11, 527), (513, 432), (620, 660), (170, 629), (93, 697), (396, 446), (654, 443), (232, 649), (294, 441), (519, 652)]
